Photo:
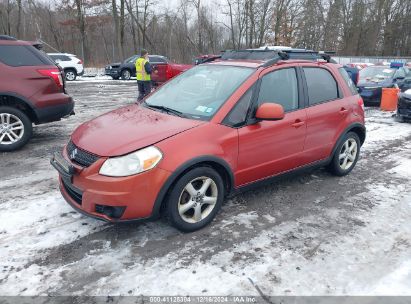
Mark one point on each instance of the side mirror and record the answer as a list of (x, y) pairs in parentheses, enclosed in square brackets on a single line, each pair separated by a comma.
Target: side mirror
[(270, 111)]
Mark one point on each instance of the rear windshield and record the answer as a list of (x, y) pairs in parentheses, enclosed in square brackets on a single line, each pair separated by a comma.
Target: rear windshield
[(23, 55), (348, 81)]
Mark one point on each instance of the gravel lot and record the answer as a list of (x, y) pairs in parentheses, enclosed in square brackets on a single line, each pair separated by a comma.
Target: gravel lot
[(315, 234)]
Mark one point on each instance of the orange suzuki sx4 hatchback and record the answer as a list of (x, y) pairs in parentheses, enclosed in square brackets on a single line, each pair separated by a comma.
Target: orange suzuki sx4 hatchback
[(213, 131)]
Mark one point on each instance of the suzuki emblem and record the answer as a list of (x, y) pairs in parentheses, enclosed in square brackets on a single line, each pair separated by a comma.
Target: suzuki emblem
[(73, 154)]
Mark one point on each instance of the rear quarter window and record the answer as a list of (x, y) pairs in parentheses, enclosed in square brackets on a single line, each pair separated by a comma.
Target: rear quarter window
[(348, 81), (22, 55)]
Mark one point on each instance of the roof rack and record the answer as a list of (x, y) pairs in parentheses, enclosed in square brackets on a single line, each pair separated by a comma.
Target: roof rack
[(272, 56), (6, 37)]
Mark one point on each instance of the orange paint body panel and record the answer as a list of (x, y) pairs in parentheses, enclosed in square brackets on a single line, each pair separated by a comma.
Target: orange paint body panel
[(138, 192)]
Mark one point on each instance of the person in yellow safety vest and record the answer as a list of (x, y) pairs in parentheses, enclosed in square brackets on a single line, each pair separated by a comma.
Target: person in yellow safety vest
[(143, 72)]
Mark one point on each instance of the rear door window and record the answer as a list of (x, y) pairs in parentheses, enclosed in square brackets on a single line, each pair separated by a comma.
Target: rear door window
[(22, 55), (60, 57), (321, 85), (348, 81)]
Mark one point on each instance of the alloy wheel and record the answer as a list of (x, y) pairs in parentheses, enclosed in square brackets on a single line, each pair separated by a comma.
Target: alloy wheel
[(348, 154), (70, 76), (11, 129), (126, 75), (198, 199)]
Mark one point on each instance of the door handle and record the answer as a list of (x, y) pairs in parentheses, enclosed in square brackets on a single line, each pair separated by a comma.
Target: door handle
[(343, 111), (298, 123)]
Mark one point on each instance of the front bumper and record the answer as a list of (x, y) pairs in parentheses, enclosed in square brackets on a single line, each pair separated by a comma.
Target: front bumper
[(112, 72), (371, 96), (132, 198), (404, 107)]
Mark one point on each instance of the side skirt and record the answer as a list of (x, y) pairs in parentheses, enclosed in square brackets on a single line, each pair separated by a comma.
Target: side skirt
[(275, 178)]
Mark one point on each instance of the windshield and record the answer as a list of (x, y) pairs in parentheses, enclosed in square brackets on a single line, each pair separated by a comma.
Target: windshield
[(200, 91), (376, 74)]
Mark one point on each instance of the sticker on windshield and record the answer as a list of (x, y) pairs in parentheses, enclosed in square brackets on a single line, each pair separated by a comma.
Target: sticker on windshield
[(201, 108)]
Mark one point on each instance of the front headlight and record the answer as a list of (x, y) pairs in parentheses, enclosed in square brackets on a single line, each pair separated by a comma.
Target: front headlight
[(133, 163)]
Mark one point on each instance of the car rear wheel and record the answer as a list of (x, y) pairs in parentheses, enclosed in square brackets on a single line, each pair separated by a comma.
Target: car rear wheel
[(71, 74), (195, 199), (346, 155), (125, 74), (15, 129)]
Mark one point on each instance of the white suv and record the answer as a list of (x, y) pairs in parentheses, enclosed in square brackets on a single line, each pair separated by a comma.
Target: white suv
[(71, 65)]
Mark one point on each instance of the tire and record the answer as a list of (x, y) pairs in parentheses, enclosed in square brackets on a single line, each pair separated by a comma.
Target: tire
[(399, 118), (71, 74), (208, 203), (15, 129), (346, 155), (125, 74)]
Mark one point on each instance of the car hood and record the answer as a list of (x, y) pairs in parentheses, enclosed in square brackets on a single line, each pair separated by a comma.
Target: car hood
[(128, 129), (115, 64)]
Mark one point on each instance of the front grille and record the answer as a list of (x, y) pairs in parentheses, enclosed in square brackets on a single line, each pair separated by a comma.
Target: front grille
[(81, 157), (74, 193)]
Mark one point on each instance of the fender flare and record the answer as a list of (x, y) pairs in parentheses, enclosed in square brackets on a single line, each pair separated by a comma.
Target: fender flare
[(23, 99), (184, 167)]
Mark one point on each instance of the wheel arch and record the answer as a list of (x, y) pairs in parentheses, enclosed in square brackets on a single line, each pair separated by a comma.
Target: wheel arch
[(124, 69), (218, 164), (357, 128), (19, 102)]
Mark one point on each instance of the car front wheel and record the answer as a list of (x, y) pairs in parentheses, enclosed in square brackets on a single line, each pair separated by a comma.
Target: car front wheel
[(195, 199), (346, 155), (15, 129), (125, 75)]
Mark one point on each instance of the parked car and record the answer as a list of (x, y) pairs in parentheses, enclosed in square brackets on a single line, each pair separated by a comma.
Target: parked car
[(32, 90), (165, 69), (71, 65), (353, 72), (353, 69), (213, 131), (406, 85), (404, 105), (372, 79)]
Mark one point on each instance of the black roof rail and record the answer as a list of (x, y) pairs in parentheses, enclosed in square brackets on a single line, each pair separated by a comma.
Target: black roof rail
[(272, 56), (7, 37)]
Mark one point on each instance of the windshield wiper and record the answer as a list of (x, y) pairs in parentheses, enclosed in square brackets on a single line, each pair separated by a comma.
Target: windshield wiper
[(165, 109)]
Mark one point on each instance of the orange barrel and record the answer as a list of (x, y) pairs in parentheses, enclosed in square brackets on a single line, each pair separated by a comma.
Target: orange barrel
[(389, 99)]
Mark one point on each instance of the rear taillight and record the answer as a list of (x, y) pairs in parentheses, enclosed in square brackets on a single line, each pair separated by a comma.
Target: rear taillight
[(54, 74), (80, 61), (361, 103), (169, 72)]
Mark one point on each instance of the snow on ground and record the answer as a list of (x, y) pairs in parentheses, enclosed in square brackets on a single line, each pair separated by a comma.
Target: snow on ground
[(310, 235)]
